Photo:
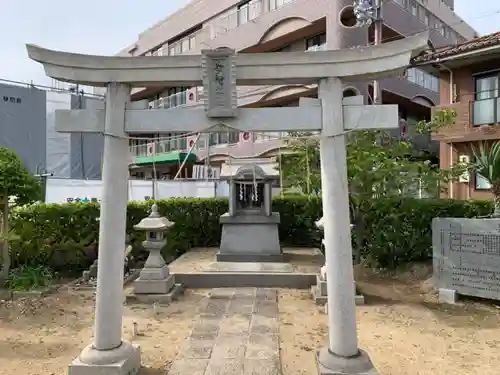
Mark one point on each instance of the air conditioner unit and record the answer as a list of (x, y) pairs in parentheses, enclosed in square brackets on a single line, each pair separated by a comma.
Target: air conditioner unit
[(464, 160)]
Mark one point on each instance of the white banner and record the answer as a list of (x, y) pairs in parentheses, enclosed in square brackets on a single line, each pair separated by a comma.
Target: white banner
[(68, 190)]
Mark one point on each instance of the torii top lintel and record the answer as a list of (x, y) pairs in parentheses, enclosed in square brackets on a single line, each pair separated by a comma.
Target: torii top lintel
[(353, 64)]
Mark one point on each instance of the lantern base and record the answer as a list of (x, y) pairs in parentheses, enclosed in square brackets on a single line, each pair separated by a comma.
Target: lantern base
[(153, 286), (176, 290)]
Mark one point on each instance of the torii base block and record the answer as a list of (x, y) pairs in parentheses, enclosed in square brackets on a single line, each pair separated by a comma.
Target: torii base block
[(124, 360), (250, 238), (328, 363)]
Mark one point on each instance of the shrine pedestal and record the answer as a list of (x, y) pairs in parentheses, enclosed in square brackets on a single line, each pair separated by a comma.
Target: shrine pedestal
[(250, 238)]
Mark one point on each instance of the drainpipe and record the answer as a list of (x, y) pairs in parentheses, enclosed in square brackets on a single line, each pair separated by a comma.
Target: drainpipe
[(452, 101), (378, 26)]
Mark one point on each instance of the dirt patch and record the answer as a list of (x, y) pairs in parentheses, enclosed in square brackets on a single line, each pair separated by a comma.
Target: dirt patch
[(43, 336), (402, 327)]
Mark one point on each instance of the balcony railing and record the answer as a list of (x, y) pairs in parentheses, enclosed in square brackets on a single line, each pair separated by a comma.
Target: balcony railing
[(486, 112), (171, 101), (163, 146)]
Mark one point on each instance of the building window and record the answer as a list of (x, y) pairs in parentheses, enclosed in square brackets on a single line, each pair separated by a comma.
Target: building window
[(275, 4), (485, 107), (182, 46), (316, 42), (486, 87), (414, 8), (423, 15), (221, 138), (403, 3), (482, 183), (249, 11), (423, 79)]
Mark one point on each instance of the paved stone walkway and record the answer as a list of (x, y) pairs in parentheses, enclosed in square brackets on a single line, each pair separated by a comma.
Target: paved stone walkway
[(237, 334)]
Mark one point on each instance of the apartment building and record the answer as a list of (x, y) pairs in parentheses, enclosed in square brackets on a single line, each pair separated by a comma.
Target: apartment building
[(281, 26), (469, 84)]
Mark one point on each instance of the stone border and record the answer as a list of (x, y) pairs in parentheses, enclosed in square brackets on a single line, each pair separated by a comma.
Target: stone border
[(134, 274), (245, 280), (167, 298)]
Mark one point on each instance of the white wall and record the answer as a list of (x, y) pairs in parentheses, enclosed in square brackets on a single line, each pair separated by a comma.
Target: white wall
[(58, 144), (60, 190)]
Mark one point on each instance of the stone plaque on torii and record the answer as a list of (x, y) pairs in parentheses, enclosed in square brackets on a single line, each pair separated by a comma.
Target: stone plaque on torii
[(219, 72)]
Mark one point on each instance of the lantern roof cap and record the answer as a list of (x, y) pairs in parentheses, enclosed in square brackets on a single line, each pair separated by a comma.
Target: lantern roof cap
[(154, 222)]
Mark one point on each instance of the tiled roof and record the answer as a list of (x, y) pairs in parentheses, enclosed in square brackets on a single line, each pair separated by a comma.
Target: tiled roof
[(456, 49)]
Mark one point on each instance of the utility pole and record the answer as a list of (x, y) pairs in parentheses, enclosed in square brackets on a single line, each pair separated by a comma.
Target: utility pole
[(378, 25)]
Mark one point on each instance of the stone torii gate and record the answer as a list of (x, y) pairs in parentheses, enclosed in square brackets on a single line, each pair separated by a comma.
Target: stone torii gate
[(219, 71)]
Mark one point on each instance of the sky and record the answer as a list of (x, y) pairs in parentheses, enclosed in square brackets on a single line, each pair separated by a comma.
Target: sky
[(104, 27)]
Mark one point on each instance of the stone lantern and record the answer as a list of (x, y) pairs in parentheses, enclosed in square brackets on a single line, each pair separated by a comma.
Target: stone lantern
[(155, 278), (319, 291)]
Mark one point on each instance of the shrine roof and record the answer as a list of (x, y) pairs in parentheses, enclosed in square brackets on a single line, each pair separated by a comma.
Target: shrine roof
[(263, 168)]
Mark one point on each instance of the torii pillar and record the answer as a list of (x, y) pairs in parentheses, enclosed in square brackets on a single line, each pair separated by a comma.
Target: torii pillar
[(109, 354)]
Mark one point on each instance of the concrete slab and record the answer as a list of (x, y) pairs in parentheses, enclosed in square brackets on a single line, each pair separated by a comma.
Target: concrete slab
[(302, 260), (198, 269), (223, 341), (249, 267), (238, 257), (245, 279)]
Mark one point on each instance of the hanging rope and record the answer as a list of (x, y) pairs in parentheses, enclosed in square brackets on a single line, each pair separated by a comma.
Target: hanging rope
[(191, 148), (280, 165), (308, 170), (253, 171), (154, 171)]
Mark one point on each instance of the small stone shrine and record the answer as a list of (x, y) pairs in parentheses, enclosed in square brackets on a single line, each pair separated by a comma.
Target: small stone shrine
[(155, 283), (250, 228), (319, 291)]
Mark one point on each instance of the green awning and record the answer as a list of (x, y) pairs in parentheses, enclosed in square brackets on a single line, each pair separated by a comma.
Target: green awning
[(174, 157)]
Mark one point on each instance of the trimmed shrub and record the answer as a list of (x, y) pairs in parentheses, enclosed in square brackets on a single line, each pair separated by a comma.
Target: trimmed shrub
[(64, 237), (398, 231)]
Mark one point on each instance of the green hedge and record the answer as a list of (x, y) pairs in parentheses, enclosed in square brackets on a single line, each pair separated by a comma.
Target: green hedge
[(399, 230), (64, 236)]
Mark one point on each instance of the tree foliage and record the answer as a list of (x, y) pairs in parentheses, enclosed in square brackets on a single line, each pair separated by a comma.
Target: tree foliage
[(378, 165), (15, 180), (17, 187), (487, 164)]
